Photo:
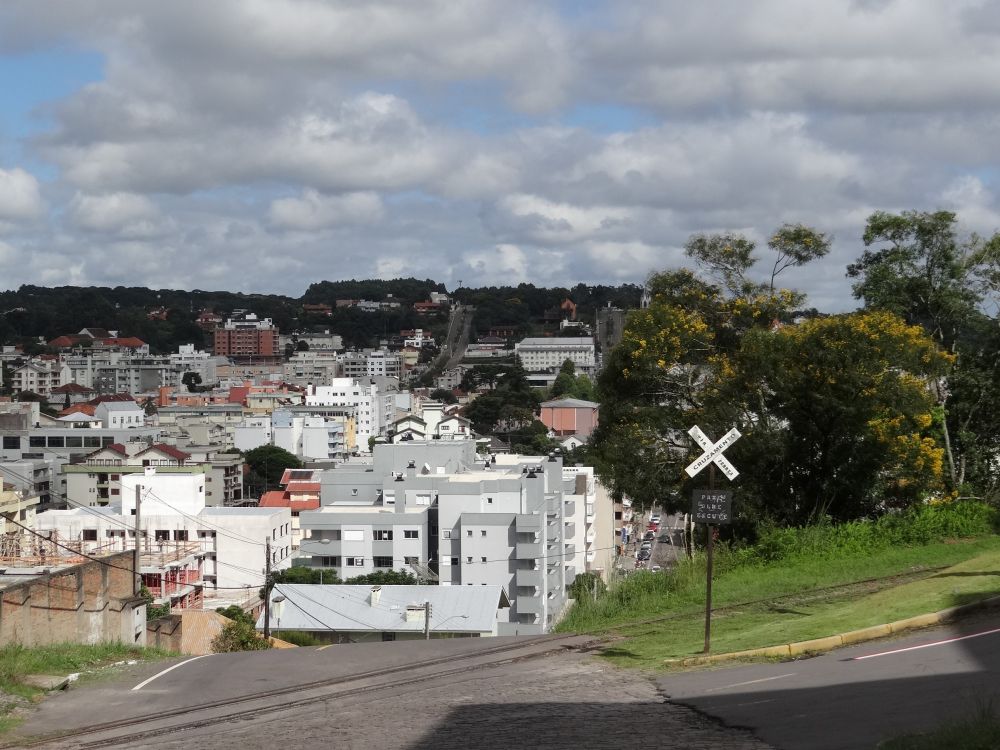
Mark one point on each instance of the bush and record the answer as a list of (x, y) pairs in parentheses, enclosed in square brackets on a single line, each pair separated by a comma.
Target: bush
[(236, 613), (583, 586), (238, 636), (298, 637)]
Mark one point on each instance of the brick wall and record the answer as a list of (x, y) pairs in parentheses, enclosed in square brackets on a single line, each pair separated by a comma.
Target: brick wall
[(87, 603)]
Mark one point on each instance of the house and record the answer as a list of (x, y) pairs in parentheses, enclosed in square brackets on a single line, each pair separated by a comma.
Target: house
[(120, 414), (340, 613), (318, 309), (73, 392), (301, 488), (570, 416)]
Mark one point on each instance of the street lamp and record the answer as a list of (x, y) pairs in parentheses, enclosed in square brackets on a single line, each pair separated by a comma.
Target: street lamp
[(278, 600), (463, 617)]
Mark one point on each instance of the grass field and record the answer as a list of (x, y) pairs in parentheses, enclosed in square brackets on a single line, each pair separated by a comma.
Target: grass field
[(980, 731), (18, 662), (661, 615)]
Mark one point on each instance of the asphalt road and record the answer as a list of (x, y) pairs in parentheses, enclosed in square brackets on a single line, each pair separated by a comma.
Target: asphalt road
[(854, 697)]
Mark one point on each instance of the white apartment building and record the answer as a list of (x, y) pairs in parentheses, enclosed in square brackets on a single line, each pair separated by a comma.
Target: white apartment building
[(311, 437), (541, 354), (231, 542), (305, 368), (373, 401), (515, 521), (40, 376)]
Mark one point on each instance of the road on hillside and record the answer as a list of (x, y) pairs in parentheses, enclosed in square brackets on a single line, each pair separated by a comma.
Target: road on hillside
[(451, 694), (858, 696)]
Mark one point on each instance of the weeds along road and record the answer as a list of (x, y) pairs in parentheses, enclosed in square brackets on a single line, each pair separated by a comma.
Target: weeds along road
[(456, 693)]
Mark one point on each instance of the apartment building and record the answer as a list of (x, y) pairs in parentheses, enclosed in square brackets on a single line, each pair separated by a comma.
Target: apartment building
[(40, 376), (229, 543), (244, 337), (545, 354), (514, 521), (373, 401)]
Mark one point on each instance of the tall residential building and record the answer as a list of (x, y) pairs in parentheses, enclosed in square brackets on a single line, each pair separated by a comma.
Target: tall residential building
[(245, 337), (525, 523), (373, 400)]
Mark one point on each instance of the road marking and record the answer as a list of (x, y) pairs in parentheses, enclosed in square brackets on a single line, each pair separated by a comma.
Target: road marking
[(168, 669), (324, 647), (926, 645), (751, 682)]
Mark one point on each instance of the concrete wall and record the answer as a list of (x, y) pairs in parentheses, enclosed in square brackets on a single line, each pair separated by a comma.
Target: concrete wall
[(87, 603)]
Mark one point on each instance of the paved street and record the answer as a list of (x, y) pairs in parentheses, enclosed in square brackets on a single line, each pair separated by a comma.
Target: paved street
[(839, 701), (570, 700)]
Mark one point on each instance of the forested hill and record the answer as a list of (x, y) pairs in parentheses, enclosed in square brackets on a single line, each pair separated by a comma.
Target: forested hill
[(33, 311)]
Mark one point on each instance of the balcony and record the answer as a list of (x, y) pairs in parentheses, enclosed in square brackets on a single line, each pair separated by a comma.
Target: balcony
[(530, 604), (316, 547), (569, 529), (569, 507), (552, 504), (528, 550), (529, 578), (569, 550), (527, 523)]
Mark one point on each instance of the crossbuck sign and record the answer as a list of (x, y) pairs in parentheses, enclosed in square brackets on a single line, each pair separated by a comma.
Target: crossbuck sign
[(713, 452)]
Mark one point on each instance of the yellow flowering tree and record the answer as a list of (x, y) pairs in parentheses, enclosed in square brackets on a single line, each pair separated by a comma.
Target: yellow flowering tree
[(838, 416)]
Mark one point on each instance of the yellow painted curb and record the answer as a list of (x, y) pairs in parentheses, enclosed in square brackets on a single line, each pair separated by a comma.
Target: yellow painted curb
[(865, 634), (918, 621), (843, 639), (816, 644)]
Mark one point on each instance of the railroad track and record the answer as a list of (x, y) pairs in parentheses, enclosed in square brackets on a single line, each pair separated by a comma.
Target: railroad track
[(146, 726)]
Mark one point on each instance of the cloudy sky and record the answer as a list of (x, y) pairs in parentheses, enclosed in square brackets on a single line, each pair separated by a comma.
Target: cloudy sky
[(260, 145)]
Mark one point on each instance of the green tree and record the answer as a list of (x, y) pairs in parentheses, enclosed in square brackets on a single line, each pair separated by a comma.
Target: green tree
[(915, 266), (236, 613), (665, 373), (836, 417), (239, 636), (585, 584), (565, 382), (385, 578), (267, 463), (192, 380), (444, 395)]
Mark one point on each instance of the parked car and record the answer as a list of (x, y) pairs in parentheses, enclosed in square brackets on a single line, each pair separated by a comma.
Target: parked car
[(653, 527), (646, 546), (649, 536), (655, 518), (644, 554)]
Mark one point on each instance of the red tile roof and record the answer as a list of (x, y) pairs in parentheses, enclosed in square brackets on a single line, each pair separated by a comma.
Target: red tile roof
[(278, 499), (87, 409), (109, 397), (72, 388), (303, 487), (169, 450)]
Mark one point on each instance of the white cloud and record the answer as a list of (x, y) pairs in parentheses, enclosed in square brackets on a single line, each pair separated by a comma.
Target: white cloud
[(313, 210), (20, 197), (113, 212)]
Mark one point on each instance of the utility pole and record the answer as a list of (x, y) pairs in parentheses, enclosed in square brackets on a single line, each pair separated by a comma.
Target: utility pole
[(267, 589), (427, 621), (137, 583)]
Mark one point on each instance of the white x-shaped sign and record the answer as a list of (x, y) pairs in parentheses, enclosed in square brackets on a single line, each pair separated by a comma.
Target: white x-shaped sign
[(713, 452)]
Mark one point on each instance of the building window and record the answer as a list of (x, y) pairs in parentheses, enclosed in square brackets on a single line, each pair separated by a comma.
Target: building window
[(353, 535), (11, 442), (180, 535), (354, 492), (382, 535), (354, 562), (482, 533), (36, 442), (489, 500), (162, 535), (410, 560), (469, 558), (483, 559), (454, 561), (382, 562), (468, 532), (446, 534), (411, 534), (330, 562), (90, 535)]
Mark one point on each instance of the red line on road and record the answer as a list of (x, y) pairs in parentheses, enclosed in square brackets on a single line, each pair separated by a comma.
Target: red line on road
[(926, 645)]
